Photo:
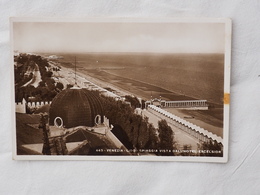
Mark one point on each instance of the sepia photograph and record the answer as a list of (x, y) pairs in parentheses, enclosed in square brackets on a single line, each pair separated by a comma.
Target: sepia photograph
[(121, 89)]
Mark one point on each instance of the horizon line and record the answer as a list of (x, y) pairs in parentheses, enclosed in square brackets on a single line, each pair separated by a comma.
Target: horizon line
[(114, 52)]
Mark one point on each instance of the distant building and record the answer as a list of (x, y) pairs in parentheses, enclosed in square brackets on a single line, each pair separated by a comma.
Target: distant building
[(183, 104), (54, 57)]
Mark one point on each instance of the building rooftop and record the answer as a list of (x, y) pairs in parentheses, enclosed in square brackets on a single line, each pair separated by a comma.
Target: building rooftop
[(75, 107)]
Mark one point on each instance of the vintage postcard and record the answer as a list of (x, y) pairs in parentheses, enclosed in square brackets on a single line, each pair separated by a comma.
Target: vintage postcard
[(121, 89)]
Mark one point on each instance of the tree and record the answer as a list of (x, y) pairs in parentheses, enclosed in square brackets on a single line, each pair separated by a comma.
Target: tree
[(133, 100), (69, 86), (122, 136), (153, 140), (166, 136), (50, 84), (143, 104), (46, 90), (59, 86), (136, 129), (48, 74), (41, 84)]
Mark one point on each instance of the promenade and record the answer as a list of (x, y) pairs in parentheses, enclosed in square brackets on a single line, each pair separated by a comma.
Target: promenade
[(181, 138)]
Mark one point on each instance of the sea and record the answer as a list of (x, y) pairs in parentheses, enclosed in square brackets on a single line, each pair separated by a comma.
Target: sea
[(166, 76), (170, 76)]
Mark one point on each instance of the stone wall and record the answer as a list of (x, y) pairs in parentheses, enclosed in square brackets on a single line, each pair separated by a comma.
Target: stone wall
[(20, 107)]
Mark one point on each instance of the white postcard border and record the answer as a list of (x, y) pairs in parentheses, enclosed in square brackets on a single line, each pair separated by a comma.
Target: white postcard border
[(227, 66)]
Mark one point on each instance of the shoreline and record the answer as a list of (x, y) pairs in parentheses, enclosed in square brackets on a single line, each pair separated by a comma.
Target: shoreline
[(190, 78), (139, 88), (206, 120)]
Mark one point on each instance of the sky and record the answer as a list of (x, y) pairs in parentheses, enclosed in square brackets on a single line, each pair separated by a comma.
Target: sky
[(118, 37)]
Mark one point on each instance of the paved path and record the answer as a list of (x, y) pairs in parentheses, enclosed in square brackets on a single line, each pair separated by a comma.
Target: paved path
[(180, 137), (36, 79)]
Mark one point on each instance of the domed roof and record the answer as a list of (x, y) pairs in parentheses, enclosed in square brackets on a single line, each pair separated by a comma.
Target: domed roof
[(76, 107)]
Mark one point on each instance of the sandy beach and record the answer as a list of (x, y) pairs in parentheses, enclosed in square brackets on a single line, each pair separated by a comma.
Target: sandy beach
[(201, 118), (179, 77)]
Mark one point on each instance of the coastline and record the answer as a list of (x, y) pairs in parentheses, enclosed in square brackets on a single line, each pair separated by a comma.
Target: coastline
[(211, 123)]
